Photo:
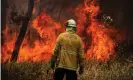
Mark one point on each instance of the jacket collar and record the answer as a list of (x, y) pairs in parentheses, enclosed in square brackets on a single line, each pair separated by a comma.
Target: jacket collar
[(70, 30)]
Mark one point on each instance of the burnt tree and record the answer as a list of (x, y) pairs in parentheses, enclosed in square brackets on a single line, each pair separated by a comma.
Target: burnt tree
[(23, 30)]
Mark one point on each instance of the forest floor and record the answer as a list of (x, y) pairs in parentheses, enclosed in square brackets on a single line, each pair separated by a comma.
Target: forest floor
[(116, 70)]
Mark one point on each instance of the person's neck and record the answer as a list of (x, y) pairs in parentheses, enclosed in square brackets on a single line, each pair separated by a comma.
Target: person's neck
[(70, 30)]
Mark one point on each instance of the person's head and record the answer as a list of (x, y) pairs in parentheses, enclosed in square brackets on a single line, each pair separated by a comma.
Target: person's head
[(71, 24)]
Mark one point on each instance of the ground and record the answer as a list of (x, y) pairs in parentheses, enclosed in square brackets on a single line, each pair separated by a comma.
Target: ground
[(94, 70)]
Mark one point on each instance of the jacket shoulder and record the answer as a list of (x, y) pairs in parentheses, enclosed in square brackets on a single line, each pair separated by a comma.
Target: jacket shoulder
[(60, 36), (78, 37)]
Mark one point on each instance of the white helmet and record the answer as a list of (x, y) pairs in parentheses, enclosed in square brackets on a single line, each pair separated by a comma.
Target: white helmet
[(71, 23)]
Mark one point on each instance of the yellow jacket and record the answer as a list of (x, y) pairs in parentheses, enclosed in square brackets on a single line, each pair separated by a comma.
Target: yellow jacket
[(68, 52)]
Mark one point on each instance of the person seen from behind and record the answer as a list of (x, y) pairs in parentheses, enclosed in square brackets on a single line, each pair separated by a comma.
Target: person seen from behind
[(68, 56)]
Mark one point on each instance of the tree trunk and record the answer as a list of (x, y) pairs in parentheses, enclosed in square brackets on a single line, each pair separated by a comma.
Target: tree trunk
[(22, 33)]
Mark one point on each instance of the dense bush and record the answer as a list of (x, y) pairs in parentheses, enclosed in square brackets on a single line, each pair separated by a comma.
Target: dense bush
[(93, 71)]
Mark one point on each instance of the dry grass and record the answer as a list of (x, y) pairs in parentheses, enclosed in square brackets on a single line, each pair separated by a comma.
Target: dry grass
[(93, 71)]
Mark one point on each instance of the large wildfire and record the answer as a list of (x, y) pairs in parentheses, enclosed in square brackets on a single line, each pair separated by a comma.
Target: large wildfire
[(99, 40)]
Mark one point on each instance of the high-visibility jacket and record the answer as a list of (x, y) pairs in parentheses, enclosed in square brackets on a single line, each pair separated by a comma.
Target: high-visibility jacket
[(68, 52)]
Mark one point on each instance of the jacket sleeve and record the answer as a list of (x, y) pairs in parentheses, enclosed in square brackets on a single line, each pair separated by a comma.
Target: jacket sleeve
[(55, 53), (81, 56)]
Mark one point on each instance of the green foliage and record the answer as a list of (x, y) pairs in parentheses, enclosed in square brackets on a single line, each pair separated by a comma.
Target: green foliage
[(93, 71)]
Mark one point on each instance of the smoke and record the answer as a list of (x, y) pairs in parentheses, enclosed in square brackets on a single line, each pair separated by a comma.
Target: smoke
[(121, 11), (50, 15), (58, 9)]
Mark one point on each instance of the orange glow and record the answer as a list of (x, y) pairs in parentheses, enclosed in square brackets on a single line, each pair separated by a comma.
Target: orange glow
[(101, 46), (48, 31), (9, 41)]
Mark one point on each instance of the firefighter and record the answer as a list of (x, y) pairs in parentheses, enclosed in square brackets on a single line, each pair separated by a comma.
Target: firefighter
[(68, 56)]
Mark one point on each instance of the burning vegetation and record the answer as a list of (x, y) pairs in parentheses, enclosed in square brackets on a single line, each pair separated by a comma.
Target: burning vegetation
[(102, 40), (99, 37)]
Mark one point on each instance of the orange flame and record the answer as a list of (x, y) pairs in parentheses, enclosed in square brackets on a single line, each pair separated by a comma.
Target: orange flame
[(48, 31), (9, 41), (100, 47), (102, 44)]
